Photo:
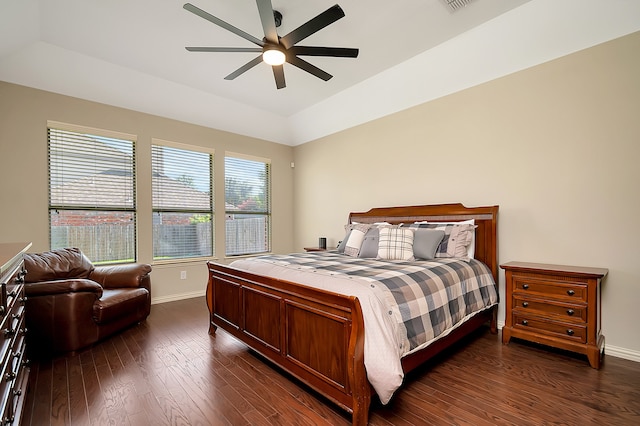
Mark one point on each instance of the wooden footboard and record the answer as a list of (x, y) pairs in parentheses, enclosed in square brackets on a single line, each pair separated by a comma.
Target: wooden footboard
[(315, 335)]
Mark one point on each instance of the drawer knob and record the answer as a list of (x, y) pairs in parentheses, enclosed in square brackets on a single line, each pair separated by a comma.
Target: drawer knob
[(570, 312), (525, 304), (525, 286), (525, 322), (571, 292), (570, 332)]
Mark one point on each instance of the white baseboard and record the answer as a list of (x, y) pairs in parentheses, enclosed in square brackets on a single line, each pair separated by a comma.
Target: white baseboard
[(623, 353), (175, 297)]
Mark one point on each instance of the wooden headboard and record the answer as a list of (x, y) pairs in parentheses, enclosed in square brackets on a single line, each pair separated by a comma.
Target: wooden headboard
[(486, 218)]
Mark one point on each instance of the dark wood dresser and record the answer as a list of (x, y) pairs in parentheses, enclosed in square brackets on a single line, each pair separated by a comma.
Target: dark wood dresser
[(14, 367), (555, 305)]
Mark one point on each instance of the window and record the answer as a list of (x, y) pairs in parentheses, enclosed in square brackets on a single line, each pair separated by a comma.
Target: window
[(182, 203), (247, 205), (92, 203)]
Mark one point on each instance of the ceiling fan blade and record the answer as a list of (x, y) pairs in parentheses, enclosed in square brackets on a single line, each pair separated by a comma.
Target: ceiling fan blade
[(312, 26), (268, 22), (219, 22), (306, 66), (244, 68), (341, 52), (225, 49), (278, 74)]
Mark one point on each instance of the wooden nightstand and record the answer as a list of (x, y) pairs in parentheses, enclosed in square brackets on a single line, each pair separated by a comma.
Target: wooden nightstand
[(555, 305), (308, 249)]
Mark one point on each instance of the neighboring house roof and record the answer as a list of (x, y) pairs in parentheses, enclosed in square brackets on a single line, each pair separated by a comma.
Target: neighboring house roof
[(109, 189), (173, 193), (113, 188)]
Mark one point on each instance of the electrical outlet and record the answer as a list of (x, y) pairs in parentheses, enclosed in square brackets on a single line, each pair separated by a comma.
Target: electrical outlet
[(183, 275)]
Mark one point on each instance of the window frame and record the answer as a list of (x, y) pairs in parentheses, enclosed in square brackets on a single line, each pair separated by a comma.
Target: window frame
[(267, 213), (154, 210), (57, 129)]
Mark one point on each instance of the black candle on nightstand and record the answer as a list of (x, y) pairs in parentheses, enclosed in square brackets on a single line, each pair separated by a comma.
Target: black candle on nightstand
[(322, 243)]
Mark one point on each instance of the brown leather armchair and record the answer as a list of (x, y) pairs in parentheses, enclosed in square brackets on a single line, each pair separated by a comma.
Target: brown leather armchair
[(72, 304)]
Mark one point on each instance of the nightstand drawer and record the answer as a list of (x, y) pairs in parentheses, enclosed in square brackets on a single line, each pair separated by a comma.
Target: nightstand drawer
[(550, 289), (574, 332), (562, 311)]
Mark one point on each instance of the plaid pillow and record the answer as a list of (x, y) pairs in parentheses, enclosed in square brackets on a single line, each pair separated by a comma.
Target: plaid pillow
[(395, 244)]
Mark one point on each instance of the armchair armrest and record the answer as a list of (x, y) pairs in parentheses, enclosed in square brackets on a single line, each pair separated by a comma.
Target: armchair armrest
[(46, 288), (118, 276)]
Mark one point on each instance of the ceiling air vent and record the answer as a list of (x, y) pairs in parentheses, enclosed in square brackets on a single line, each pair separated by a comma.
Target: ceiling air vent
[(456, 4)]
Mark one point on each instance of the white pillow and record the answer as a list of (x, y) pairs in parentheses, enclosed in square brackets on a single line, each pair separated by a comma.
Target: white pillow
[(355, 239), (395, 244)]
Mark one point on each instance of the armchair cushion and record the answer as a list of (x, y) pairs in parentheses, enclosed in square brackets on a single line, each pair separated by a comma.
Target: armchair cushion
[(63, 286), (117, 303), (119, 276), (57, 265)]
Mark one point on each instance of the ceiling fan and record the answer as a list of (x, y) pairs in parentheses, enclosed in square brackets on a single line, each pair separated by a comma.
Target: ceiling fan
[(275, 50)]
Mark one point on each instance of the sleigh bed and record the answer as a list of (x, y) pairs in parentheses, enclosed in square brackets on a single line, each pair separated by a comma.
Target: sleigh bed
[(318, 335)]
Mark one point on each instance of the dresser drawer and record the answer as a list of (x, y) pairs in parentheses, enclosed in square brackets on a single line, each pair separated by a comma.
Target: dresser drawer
[(6, 384), (6, 405), (19, 395), (567, 331), (548, 288), (18, 349), (549, 308), (12, 325), (11, 284)]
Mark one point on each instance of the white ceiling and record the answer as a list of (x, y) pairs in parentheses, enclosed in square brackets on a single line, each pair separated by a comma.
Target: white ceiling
[(131, 54)]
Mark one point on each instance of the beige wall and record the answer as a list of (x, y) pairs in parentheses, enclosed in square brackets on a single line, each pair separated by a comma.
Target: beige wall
[(557, 146), (24, 113)]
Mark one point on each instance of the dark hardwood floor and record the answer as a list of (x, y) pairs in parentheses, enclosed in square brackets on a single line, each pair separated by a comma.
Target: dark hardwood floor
[(169, 371)]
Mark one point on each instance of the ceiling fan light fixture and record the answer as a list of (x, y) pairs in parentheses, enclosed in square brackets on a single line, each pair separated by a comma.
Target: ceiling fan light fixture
[(273, 56)]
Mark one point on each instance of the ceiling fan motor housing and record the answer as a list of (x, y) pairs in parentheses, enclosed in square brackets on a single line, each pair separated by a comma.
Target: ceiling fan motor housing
[(277, 16)]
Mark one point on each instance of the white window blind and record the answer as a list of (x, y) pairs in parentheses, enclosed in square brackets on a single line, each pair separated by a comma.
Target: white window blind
[(182, 185), (247, 206), (92, 195)]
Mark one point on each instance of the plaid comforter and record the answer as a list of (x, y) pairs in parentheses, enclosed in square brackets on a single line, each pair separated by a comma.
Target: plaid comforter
[(425, 297)]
